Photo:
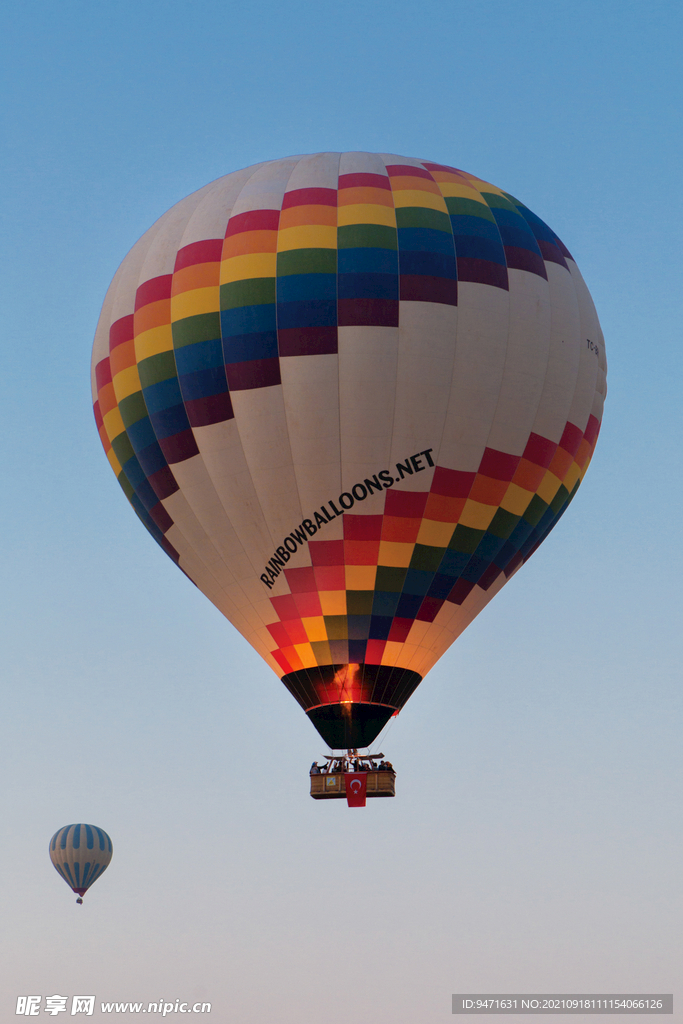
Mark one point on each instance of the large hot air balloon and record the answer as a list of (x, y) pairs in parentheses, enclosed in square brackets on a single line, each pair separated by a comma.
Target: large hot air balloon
[(349, 395), (80, 853)]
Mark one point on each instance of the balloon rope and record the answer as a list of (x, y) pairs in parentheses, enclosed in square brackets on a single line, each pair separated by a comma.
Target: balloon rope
[(385, 731)]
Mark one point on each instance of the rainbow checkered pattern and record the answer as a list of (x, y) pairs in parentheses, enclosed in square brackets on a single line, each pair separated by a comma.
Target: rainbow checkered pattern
[(286, 341)]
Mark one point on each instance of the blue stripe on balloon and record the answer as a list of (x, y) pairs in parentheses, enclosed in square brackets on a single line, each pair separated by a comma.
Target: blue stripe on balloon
[(417, 581), (431, 264), (514, 230), (358, 627), (90, 838), (474, 569), (367, 260), (357, 650), (385, 603), (246, 347), (506, 554), (170, 421), (202, 383), (509, 219), (161, 396), (141, 433), (203, 355), (425, 240), (368, 286), (453, 562), (409, 606), (470, 247), (520, 533), (489, 546), (151, 458), (309, 313), (247, 320), (304, 287), (539, 228), (519, 239), (134, 472), (147, 495), (475, 227), (380, 626), (441, 586)]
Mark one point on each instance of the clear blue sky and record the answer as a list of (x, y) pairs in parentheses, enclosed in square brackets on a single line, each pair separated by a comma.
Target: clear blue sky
[(535, 841)]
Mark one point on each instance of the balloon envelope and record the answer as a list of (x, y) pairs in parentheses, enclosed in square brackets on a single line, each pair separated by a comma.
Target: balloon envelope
[(80, 853), (349, 395)]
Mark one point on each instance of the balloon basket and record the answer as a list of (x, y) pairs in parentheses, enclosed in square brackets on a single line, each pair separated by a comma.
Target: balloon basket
[(353, 778)]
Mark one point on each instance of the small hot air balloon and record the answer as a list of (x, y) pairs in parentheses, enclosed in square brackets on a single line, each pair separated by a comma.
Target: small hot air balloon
[(349, 394), (80, 853)]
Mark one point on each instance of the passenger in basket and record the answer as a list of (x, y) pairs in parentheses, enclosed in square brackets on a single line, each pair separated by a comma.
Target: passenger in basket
[(315, 770)]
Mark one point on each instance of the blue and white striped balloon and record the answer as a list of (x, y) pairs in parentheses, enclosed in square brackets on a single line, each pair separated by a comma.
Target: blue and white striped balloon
[(80, 853)]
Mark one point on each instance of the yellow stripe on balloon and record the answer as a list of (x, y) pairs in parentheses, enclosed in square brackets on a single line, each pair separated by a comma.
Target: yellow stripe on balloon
[(310, 236), (315, 628), (366, 213), (126, 383), (477, 515), (516, 500), (200, 300), (113, 423), (243, 268), (153, 342), (360, 577), (333, 602), (548, 487), (395, 553), (409, 197), (461, 191), (434, 534)]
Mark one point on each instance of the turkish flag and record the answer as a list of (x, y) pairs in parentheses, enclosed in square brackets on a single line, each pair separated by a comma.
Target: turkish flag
[(356, 788)]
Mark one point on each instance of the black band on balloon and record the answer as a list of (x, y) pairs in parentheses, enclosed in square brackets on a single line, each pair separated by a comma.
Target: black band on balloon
[(350, 704), (344, 726), (363, 684)]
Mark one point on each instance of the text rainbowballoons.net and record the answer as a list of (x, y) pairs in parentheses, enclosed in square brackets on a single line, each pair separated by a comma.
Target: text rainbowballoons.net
[(349, 394)]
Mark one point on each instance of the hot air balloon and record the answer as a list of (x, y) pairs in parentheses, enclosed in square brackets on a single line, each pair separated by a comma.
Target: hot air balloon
[(80, 853), (349, 394)]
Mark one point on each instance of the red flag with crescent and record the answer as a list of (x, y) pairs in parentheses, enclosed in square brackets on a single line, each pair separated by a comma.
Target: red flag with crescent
[(356, 788)]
